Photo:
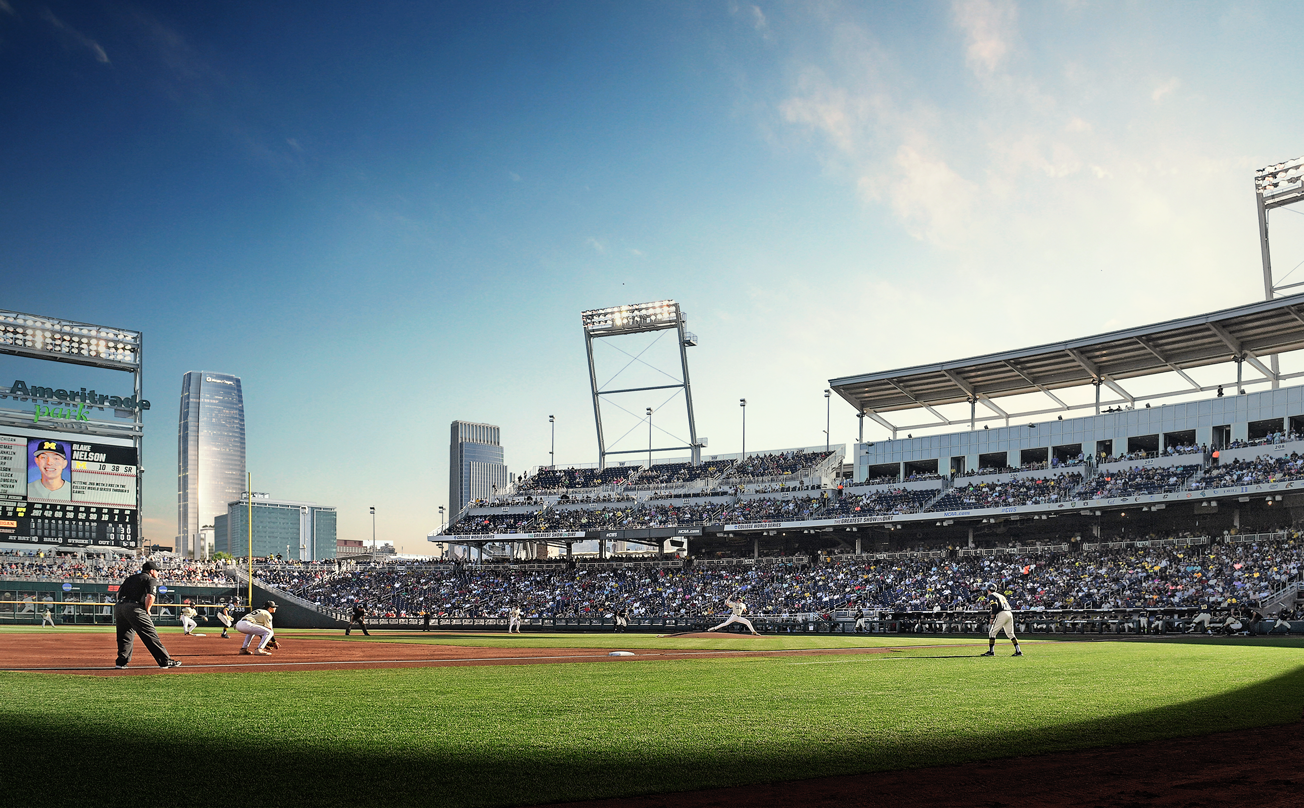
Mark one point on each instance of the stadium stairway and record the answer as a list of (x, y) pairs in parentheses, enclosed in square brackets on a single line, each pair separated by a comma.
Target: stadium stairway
[(292, 611)]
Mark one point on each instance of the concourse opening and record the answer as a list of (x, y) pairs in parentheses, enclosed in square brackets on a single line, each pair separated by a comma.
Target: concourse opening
[(1104, 449), (994, 460), (883, 473), (1066, 454), (1262, 429), (1033, 458), (957, 465), (1178, 440), (1149, 444), (1222, 436), (921, 469)]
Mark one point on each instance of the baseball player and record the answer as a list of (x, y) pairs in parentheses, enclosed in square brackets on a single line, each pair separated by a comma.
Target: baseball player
[(622, 619), (357, 619), (224, 617), (47, 618), (860, 620), (1002, 619), (514, 620), (1201, 619), (257, 623), (736, 609), (188, 620), (1282, 621)]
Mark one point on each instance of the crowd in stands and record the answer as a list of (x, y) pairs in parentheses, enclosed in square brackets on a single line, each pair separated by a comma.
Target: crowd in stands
[(777, 464), (879, 503), (1271, 437), (888, 480), (1253, 472), (1067, 462), (637, 516), (1022, 491), (100, 569), (670, 474), (1138, 481), (1218, 575), (550, 479), (922, 476)]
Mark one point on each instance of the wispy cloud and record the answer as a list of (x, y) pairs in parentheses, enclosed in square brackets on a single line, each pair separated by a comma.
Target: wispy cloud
[(989, 27), (1025, 178), (71, 36), (1164, 89), (597, 246)]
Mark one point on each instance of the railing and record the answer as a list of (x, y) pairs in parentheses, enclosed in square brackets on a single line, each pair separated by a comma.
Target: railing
[(1037, 549), (1193, 541)]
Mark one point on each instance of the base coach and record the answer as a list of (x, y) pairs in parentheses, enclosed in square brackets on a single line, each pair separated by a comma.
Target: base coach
[(131, 615)]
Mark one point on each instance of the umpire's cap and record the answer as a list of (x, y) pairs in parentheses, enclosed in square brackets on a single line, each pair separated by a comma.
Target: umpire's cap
[(269, 605)]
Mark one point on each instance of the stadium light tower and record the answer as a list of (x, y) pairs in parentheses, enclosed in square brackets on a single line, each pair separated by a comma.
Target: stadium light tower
[(828, 418), (1276, 186), (552, 450), (742, 402), (619, 321)]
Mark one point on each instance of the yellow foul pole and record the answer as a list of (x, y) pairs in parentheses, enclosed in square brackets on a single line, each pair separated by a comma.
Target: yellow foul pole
[(249, 498)]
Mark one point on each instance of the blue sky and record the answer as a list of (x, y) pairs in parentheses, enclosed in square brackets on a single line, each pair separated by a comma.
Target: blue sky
[(387, 217)]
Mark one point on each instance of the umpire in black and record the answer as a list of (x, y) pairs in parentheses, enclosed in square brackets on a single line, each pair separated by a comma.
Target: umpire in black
[(131, 614)]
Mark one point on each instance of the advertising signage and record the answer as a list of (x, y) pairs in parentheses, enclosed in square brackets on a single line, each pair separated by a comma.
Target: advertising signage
[(62, 490)]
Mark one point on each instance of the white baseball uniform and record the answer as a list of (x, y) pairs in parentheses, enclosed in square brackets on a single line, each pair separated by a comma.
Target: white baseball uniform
[(736, 608)]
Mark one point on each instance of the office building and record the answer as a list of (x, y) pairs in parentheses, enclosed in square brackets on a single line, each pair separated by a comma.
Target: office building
[(210, 454), (302, 531), (475, 464)]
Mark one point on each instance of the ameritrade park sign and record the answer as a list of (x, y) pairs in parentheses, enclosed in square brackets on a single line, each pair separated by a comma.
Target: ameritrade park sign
[(73, 404)]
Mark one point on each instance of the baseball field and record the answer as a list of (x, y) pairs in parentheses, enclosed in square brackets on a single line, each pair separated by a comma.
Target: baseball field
[(441, 719)]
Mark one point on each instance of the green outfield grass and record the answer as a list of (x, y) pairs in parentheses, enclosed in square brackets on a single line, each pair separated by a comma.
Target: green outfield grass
[(539, 733)]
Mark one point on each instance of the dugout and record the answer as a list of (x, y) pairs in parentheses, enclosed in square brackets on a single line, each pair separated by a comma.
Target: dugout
[(84, 603)]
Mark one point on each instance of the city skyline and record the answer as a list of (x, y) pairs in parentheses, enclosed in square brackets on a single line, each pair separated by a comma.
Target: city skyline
[(385, 222)]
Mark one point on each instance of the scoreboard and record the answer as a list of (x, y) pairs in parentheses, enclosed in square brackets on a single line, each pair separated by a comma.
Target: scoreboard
[(55, 489)]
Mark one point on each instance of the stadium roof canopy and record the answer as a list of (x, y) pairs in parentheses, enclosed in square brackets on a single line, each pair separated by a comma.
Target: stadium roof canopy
[(1245, 334)]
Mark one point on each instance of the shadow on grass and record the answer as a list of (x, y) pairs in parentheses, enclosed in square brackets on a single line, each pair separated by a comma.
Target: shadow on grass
[(128, 764)]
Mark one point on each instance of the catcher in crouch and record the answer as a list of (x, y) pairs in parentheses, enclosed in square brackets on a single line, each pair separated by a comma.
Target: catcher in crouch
[(258, 623), (1002, 618), (736, 609)]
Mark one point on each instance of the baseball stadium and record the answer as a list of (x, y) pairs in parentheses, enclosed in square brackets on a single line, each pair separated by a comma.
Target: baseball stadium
[(1070, 575)]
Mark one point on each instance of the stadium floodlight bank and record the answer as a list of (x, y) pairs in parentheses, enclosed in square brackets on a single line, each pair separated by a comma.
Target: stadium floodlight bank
[(639, 318), (97, 433)]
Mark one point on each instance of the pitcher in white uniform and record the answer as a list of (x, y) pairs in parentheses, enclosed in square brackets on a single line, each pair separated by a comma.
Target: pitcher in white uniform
[(736, 609)]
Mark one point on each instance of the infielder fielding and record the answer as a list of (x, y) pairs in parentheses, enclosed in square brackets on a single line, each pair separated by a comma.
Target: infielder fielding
[(736, 609), (1002, 619), (188, 623), (257, 623), (358, 618), (224, 617), (514, 620)]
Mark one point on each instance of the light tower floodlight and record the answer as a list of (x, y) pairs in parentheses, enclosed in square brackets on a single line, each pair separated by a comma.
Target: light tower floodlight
[(1276, 186), (639, 318)]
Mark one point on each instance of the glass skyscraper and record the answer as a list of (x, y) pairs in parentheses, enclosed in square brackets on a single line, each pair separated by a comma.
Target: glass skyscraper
[(475, 464), (210, 454)]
